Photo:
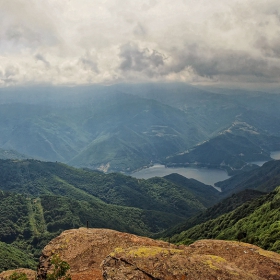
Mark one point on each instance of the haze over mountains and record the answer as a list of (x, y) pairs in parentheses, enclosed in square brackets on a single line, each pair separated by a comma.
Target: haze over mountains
[(127, 126)]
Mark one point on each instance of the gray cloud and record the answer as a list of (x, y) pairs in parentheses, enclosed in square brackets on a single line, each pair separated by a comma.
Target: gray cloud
[(224, 65), (88, 63), (149, 40), (8, 77), (40, 57), (139, 30), (269, 47), (140, 60), (11, 71)]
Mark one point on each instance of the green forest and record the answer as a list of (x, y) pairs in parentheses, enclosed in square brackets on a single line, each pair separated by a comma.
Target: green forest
[(39, 200), (256, 222)]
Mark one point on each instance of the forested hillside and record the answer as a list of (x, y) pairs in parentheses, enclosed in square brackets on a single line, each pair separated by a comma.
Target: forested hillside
[(41, 199), (255, 222), (36, 178), (265, 178), (225, 206), (231, 150), (250, 199)]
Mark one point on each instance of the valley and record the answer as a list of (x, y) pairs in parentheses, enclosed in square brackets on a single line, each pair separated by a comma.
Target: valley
[(136, 159), (40, 199)]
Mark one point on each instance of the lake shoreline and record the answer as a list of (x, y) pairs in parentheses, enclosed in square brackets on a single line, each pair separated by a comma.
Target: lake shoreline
[(206, 175), (197, 171)]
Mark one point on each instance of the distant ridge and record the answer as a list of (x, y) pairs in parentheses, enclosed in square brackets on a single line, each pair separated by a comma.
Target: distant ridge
[(126, 126), (11, 154), (265, 179)]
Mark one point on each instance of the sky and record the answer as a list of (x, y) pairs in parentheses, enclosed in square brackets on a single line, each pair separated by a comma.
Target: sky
[(73, 42)]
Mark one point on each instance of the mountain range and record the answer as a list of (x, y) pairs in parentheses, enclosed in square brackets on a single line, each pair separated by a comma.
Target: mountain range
[(66, 152), (126, 127)]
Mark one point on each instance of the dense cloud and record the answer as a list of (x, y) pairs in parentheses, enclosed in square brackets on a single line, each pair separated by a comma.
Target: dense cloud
[(140, 60), (79, 42)]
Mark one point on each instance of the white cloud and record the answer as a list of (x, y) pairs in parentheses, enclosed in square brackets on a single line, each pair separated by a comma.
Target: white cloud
[(106, 41)]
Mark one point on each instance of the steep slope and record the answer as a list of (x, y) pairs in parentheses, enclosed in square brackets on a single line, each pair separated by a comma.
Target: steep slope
[(204, 193), (210, 112), (256, 222), (13, 257), (225, 206), (40, 131), (215, 109)]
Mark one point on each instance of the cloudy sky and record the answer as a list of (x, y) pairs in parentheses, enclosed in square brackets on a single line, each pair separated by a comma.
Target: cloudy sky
[(109, 41)]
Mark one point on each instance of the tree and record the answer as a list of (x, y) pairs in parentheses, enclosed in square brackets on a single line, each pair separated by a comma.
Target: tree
[(60, 269), (241, 235)]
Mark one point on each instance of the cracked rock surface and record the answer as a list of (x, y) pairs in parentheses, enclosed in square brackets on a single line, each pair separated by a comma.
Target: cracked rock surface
[(103, 254), (85, 249), (205, 259)]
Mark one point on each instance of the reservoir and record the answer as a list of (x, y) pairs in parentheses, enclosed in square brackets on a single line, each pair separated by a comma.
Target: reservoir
[(275, 155), (204, 175)]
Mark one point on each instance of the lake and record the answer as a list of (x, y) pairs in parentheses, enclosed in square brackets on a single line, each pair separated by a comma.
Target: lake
[(273, 155), (204, 175)]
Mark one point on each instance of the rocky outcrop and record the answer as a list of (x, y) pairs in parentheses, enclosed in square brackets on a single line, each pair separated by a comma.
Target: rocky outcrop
[(85, 249), (98, 254), (206, 259), (31, 274)]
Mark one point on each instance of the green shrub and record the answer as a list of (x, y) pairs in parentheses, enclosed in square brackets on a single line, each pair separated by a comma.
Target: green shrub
[(60, 269), (18, 276)]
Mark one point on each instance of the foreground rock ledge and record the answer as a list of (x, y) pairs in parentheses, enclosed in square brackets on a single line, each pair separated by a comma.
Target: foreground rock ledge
[(85, 249), (205, 259), (111, 255)]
